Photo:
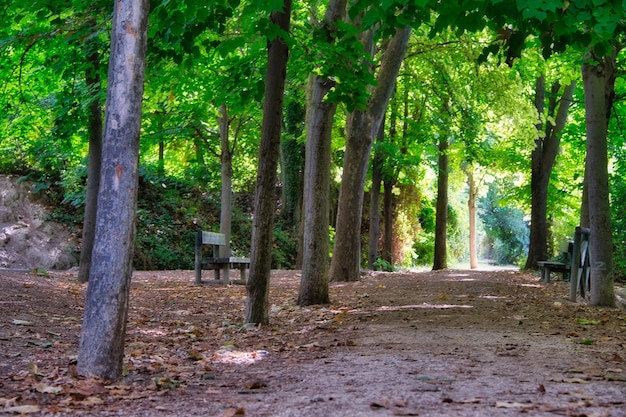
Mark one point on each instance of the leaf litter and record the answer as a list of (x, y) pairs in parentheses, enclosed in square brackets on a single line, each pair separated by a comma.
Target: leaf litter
[(404, 343)]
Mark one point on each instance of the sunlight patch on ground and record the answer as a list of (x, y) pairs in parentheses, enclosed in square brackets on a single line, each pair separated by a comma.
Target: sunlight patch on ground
[(530, 285), (424, 305), (234, 357)]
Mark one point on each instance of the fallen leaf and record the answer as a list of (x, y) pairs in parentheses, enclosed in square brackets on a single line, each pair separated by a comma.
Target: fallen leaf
[(48, 389), (92, 400), (22, 409), (230, 412), (256, 385), (511, 404), (586, 322), (22, 322), (474, 400), (575, 380)]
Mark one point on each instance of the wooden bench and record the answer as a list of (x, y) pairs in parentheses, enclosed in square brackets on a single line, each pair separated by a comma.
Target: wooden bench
[(573, 264), (216, 262), (561, 263)]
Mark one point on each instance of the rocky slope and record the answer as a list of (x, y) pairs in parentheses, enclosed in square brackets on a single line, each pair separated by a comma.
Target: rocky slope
[(28, 240)]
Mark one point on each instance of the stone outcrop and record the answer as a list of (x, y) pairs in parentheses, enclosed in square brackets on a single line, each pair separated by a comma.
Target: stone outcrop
[(28, 240)]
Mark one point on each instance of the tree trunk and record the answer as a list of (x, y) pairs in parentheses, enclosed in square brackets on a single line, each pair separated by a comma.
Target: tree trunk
[(161, 162), (258, 285), (315, 221), (314, 280), (101, 348), (226, 158), (387, 252), (441, 216), (92, 80), (543, 158), (595, 78), (374, 225), (471, 209), (345, 265)]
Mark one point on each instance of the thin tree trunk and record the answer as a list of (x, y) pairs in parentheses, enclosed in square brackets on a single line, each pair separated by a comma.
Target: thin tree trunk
[(92, 80), (345, 265), (101, 347), (441, 216), (161, 162), (387, 252), (292, 169), (595, 78), (374, 225), (258, 285), (471, 209), (226, 158)]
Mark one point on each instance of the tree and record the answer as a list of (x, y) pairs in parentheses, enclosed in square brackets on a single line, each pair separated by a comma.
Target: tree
[(543, 159), (441, 223), (257, 309), (319, 122), (92, 81), (364, 125), (594, 28), (597, 77), (101, 348)]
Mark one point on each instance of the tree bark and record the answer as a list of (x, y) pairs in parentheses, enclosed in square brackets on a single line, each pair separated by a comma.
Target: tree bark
[(596, 75), (471, 209), (320, 113), (441, 216), (101, 347), (387, 252), (258, 285), (226, 158), (345, 264), (543, 159), (374, 224), (92, 81), (314, 280)]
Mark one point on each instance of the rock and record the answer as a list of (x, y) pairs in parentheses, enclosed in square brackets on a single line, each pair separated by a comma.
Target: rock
[(28, 240)]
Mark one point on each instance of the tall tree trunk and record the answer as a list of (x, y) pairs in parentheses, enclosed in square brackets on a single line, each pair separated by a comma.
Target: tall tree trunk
[(441, 216), (596, 77), (374, 225), (471, 210), (92, 80), (226, 158), (314, 280), (345, 265), (292, 152), (101, 348), (543, 158), (258, 285), (320, 113)]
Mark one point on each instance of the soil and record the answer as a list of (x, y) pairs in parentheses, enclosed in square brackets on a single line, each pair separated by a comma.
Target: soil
[(448, 343)]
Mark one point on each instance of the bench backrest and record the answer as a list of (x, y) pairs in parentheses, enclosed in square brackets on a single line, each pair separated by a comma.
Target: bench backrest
[(580, 273), (211, 238)]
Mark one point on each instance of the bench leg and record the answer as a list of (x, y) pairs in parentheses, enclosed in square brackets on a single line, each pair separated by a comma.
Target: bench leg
[(242, 273), (545, 275), (217, 274), (226, 274)]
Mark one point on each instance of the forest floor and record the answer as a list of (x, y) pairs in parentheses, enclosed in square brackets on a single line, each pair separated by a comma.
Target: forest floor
[(447, 343)]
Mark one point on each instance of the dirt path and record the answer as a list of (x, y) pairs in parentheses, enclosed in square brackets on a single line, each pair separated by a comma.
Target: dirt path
[(451, 343)]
